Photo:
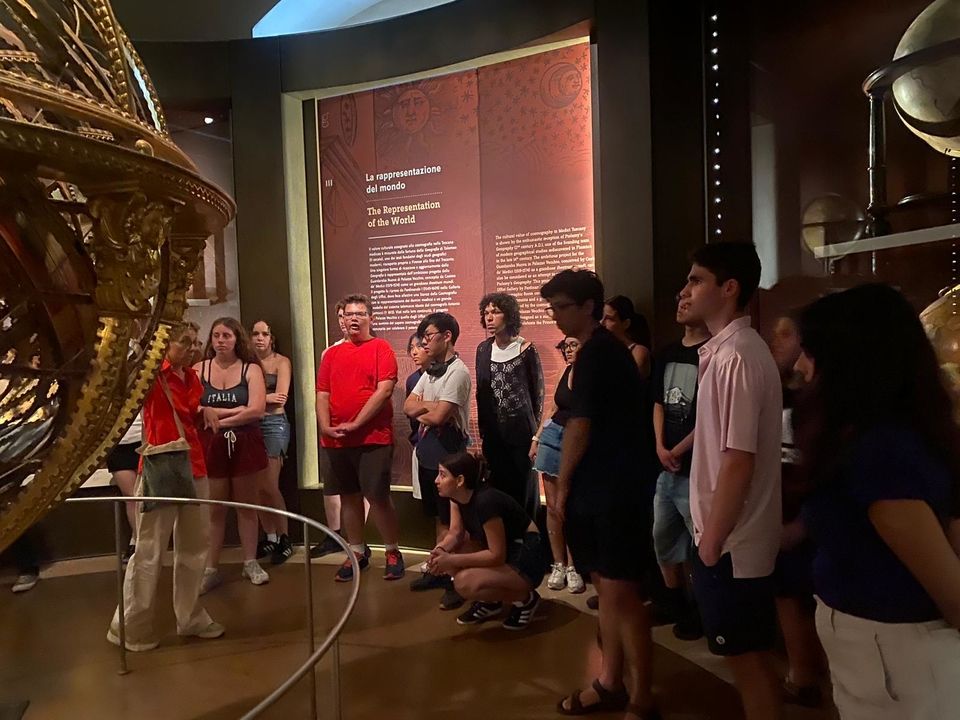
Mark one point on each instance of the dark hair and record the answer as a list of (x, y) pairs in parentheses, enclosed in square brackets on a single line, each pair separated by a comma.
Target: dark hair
[(732, 261), (579, 286), (413, 336), (562, 347), (466, 464), (241, 348), (273, 337), (900, 381), (639, 330), (442, 321), (356, 299), (508, 305)]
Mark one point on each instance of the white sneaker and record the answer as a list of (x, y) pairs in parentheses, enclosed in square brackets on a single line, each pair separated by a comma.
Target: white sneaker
[(558, 577), (256, 574), (25, 582), (211, 579), (574, 582), (210, 632), (113, 637)]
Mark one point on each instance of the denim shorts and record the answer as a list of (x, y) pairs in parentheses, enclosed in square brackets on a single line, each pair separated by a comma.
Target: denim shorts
[(672, 522), (276, 434), (548, 449)]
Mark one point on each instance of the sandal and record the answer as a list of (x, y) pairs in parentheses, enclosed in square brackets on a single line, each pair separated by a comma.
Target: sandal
[(652, 713), (609, 700)]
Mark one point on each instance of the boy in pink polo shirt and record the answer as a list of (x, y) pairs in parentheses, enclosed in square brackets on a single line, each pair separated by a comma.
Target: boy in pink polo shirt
[(735, 476)]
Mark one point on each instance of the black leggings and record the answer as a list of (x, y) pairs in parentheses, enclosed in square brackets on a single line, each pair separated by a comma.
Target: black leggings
[(511, 472)]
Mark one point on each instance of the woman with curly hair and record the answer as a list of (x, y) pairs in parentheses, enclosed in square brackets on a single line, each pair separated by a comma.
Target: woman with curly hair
[(509, 399)]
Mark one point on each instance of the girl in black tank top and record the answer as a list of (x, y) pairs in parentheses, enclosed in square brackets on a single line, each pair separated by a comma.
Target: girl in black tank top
[(545, 451), (232, 404), (275, 429)]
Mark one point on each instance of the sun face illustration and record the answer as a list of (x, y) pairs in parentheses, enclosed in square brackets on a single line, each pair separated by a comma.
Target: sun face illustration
[(408, 117)]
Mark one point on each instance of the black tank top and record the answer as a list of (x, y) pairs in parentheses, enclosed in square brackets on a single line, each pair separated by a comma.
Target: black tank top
[(236, 396), (563, 397)]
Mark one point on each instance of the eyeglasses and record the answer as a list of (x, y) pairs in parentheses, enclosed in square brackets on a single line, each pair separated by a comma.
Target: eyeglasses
[(570, 345), (428, 337), (552, 310), (357, 314)]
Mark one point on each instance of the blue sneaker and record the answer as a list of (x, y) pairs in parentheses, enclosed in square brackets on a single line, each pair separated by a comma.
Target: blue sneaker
[(345, 573)]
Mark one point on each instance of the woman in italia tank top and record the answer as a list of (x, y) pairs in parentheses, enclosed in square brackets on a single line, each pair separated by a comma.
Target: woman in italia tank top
[(233, 401)]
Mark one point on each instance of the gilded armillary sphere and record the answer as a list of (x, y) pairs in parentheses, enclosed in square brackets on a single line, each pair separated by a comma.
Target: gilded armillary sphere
[(102, 221)]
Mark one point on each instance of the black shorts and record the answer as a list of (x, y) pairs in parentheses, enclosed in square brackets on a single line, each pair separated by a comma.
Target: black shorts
[(527, 558), (433, 505), (739, 614), (124, 457), (364, 469), (609, 536)]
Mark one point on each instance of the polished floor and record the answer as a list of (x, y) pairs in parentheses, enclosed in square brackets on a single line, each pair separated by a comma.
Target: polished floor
[(401, 658)]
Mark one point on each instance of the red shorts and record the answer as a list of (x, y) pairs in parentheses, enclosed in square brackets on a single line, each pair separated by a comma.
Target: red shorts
[(233, 452)]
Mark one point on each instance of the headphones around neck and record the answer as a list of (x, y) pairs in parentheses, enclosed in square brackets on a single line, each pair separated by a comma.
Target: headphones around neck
[(439, 369)]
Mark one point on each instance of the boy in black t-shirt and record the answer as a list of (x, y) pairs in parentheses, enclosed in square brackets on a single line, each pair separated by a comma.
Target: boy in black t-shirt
[(600, 498), (492, 549), (675, 375)]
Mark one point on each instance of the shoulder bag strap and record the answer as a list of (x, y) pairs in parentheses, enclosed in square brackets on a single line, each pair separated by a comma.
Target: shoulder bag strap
[(176, 415)]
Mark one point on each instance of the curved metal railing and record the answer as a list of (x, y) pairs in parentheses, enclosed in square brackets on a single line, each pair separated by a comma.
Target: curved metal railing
[(332, 640)]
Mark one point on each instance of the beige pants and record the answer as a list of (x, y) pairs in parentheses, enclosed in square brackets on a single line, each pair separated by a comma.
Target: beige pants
[(190, 527), (891, 671)]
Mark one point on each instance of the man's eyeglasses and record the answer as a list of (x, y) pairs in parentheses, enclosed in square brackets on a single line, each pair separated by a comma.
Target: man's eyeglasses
[(356, 314), (552, 310), (428, 337)]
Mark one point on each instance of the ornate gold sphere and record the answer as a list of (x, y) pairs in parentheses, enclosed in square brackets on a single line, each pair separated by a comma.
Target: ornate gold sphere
[(102, 221)]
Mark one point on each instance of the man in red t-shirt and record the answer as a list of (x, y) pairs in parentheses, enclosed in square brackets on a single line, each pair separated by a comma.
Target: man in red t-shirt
[(354, 389)]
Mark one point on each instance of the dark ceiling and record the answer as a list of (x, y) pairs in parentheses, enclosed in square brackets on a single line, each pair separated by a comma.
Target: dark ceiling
[(190, 20)]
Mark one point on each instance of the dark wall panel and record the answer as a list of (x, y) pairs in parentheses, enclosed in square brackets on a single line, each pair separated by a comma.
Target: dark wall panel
[(676, 99), (428, 39)]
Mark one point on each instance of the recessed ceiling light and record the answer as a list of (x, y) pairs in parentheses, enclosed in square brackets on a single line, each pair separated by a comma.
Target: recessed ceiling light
[(208, 120)]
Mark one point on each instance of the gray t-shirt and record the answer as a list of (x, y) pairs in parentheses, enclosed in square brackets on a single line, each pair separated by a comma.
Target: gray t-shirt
[(453, 386)]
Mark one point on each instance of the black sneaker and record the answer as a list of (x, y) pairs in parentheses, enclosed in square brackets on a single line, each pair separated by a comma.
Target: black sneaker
[(131, 549), (521, 615), (451, 600), (327, 547), (479, 612), (426, 581), (282, 551), (265, 548), (689, 628)]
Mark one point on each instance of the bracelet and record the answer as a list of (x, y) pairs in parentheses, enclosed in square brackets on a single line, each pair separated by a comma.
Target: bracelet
[(536, 438)]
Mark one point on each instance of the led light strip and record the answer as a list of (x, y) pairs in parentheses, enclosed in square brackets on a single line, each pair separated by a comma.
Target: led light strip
[(712, 146)]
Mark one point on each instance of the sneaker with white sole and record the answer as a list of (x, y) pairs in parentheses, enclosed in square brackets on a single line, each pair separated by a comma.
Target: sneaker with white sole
[(575, 583), (211, 579), (210, 632), (256, 574), (24, 582), (114, 638), (558, 577), (522, 613), (480, 612)]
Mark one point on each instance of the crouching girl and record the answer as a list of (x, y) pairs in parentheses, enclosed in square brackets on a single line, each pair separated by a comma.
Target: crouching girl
[(492, 550)]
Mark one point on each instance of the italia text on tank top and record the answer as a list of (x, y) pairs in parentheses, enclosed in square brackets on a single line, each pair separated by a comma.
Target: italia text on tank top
[(227, 398)]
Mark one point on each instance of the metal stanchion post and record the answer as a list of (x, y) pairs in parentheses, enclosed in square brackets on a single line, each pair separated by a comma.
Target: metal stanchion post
[(310, 643), (337, 705), (118, 512)]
